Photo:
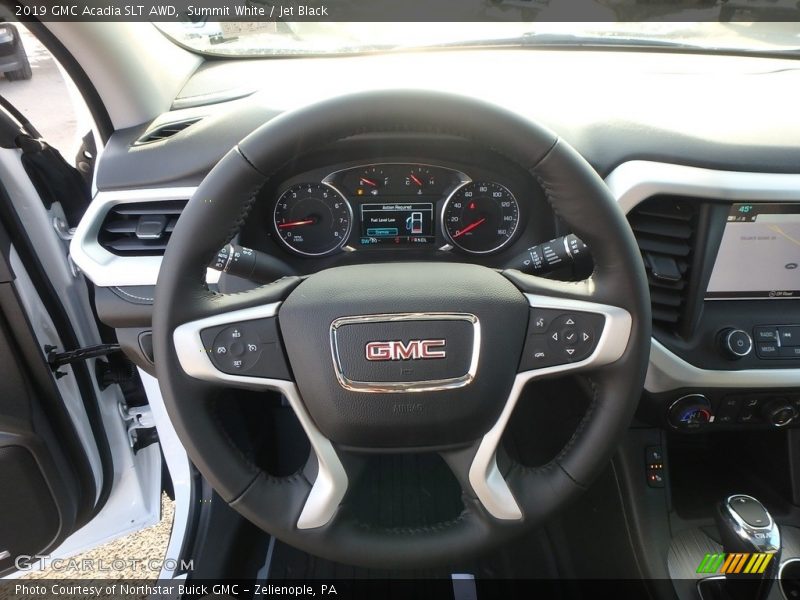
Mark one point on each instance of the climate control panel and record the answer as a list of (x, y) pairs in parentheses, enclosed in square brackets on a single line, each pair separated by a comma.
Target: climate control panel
[(727, 409)]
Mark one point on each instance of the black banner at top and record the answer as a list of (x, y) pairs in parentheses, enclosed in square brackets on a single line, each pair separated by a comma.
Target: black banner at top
[(199, 11)]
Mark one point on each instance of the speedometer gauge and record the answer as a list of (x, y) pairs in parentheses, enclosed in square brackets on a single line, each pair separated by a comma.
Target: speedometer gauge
[(481, 217), (312, 219)]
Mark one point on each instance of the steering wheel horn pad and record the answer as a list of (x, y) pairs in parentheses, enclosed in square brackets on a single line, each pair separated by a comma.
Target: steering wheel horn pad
[(410, 415), (365, 342)]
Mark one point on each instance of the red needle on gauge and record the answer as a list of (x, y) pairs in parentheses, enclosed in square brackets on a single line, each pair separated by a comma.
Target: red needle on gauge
[(296, 223), (470, 227), (416, 180), (369, 182)]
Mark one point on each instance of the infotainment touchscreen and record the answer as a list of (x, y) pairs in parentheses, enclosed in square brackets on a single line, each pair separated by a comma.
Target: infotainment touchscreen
[(759, 256)]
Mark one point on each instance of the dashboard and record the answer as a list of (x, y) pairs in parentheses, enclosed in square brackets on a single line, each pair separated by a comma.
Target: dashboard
[(702, 187)]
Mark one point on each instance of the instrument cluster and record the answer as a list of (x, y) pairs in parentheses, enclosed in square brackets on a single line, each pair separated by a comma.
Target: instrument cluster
[(398, 205)]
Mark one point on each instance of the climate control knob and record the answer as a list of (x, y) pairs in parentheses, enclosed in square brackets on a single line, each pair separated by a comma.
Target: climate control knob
[(690, 412), (779, 412), (736, 343)]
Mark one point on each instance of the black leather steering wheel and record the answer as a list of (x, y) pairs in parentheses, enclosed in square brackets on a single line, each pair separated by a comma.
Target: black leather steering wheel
[(322, 324)]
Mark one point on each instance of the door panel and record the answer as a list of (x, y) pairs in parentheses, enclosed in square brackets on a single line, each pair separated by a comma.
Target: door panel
[(47, 483)]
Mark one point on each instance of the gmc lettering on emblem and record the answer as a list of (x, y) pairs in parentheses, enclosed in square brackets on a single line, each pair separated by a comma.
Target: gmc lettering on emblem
[(411, 350)]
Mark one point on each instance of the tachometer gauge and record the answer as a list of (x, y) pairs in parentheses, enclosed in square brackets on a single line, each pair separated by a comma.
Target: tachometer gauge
[(312, 219), (480, 217)]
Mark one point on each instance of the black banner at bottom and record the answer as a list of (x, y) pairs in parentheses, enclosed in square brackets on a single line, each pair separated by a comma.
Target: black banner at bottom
[(457, 588)]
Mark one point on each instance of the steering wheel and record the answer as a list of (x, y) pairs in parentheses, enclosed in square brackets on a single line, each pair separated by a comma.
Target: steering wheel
[(397, 357)]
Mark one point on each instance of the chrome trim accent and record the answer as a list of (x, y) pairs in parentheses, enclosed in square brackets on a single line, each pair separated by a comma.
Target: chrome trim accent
[(729, 346), (700, 587), (5, 553), (682, 398), (484, 476), (769, 543), (779, 576), (331, 483), (668, 371), (106, 269), (633, 182), (389, 387)]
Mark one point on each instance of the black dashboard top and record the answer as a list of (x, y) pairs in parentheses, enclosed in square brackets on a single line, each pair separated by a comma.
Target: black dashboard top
[(723, 112)]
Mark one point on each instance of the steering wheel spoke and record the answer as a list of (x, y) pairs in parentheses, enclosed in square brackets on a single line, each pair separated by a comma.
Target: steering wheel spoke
[(567, 333), (239, 348), (242, 348)]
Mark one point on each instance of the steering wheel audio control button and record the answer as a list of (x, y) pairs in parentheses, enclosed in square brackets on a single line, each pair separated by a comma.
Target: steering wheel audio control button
[(556, 337), (540, 319), (249, 348)]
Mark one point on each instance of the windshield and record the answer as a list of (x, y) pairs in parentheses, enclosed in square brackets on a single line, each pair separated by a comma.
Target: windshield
[(236, 39)]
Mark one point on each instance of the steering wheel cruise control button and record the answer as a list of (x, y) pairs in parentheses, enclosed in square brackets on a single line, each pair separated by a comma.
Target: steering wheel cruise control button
[(248, 348)]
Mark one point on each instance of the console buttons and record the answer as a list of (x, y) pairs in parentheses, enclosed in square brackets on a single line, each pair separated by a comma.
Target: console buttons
[(777, 341), (249, 348), (789, 336), (654, 462), (790, 352), (556, 337), (765, 334), (728, 409), (749, 412), (736, 343), (767, 349)]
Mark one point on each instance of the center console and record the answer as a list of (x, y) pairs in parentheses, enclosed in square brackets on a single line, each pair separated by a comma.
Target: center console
[(720, 411), (724, 279)]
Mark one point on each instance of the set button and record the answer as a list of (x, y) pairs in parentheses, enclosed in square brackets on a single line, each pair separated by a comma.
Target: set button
[(235, 348), (250, 348)]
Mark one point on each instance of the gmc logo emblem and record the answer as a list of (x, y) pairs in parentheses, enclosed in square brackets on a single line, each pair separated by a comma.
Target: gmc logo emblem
[(412, 350)]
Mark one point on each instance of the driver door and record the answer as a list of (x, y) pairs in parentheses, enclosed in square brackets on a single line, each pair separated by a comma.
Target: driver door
[(79, 465)]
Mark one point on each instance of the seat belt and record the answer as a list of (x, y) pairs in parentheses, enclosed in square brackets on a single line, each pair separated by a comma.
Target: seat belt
[(53, 177)]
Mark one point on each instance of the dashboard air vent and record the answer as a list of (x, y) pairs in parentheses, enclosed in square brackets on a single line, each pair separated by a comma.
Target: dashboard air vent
[(140, 228), (664, 228), (165, 131)]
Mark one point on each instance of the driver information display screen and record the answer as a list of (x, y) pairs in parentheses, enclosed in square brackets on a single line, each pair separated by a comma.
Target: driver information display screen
[(397, 223), (759, 256)]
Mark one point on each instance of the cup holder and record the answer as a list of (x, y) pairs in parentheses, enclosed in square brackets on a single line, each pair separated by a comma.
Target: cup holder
[(789, 579)]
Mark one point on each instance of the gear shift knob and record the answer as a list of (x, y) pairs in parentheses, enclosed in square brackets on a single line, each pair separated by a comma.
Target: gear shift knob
[(746, 527)]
